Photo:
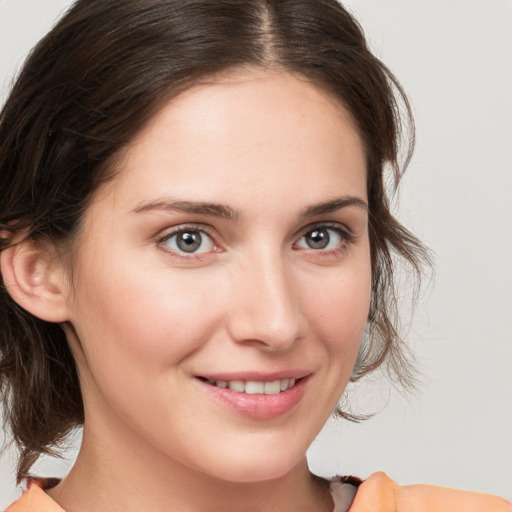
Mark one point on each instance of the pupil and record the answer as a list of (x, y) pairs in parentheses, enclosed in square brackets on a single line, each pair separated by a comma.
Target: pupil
[(189, 242), (318, 239)]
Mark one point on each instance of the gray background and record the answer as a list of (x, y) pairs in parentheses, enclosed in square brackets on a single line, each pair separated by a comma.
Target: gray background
[(454, 59)]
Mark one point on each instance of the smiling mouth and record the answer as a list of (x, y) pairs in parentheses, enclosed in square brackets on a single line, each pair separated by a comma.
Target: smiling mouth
[(252, 387)]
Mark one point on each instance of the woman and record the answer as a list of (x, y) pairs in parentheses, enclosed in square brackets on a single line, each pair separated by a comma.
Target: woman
[(160, 292)]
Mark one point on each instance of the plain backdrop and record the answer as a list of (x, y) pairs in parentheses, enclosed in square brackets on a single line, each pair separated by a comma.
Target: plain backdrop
[(454, 59)]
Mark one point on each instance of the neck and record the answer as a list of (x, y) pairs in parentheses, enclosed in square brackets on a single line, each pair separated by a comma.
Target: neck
[(142, 478)]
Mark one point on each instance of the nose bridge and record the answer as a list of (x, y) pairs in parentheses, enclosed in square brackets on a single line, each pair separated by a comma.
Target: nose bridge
[(266, 309)]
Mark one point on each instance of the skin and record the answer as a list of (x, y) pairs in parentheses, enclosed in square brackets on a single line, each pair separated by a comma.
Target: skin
[(145, 320)]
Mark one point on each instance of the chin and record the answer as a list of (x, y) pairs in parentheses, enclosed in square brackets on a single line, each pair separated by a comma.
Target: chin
[(260, 467), (253, 474)]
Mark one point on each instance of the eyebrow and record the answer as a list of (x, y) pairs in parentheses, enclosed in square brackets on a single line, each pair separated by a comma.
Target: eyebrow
[(334, 205), (226, 212), (198, 207)]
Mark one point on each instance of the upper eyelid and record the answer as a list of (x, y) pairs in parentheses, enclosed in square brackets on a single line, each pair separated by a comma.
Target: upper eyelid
[(332, 225), (171, 231)]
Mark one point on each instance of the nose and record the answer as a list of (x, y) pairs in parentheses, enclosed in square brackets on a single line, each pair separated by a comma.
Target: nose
[(265, 308)]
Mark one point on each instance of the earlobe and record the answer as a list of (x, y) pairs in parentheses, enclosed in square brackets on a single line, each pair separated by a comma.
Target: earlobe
[(35, 281)]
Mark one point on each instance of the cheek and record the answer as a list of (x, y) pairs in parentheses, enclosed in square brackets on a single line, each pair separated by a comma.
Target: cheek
[(146, 319), (340, 312)]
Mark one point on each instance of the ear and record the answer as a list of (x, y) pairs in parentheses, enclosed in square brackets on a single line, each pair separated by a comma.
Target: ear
[(36, 280)]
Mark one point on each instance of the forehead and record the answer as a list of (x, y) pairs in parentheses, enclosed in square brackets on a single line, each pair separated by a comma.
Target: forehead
[(247, 131)]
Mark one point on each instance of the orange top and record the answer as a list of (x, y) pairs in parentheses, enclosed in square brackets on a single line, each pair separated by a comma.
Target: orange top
[(380, 494), (376, 494), (35, 500)]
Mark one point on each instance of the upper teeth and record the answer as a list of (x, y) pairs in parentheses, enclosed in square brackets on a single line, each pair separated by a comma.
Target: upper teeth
[(252, 387)]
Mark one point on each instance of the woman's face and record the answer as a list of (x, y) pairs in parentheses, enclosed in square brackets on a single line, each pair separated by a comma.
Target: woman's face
[(222, 279)]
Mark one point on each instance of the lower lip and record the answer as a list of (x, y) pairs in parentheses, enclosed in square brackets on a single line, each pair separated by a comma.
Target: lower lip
[(259, 406)]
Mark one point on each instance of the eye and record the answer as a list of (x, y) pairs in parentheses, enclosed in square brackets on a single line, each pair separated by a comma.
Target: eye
[(191, 241), (324, 238)]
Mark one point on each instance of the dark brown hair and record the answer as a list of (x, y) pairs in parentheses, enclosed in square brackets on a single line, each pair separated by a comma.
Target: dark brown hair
[(95, 80)]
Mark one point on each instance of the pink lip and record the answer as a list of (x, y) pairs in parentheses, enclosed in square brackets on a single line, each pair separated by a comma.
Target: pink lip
[(258, 376), (257, 406)]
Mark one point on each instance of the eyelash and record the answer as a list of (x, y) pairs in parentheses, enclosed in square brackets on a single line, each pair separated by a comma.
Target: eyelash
[(346, 239), (187, 229)]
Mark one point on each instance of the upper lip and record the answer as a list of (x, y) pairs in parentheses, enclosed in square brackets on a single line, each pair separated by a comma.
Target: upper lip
[(257, 376)]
